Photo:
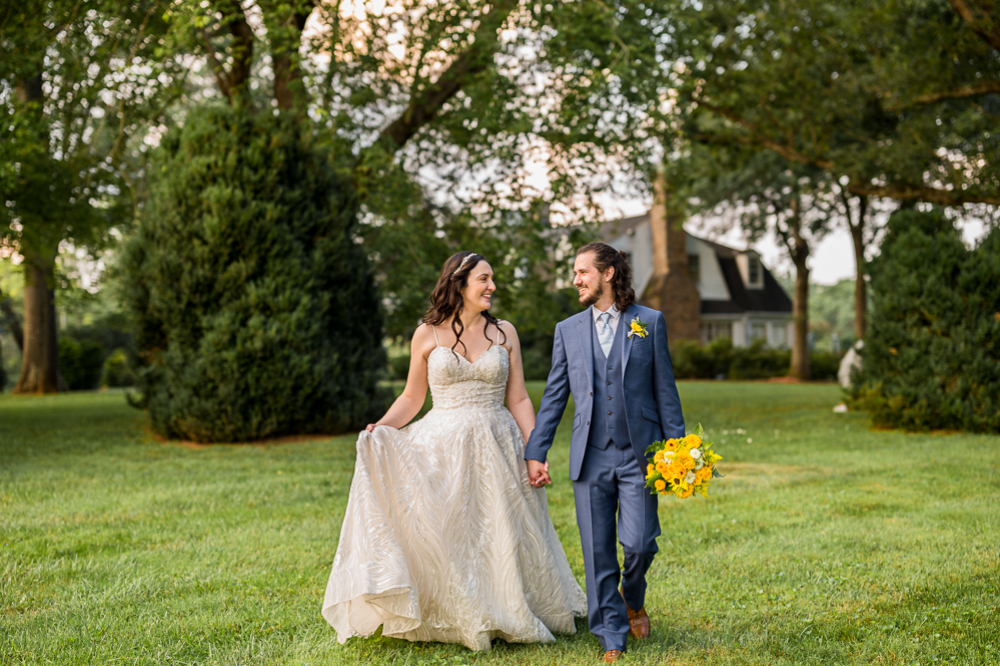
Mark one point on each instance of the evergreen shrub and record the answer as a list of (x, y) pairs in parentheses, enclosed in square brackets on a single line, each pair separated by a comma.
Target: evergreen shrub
[(255, 312), (80, 362), (932, 349)]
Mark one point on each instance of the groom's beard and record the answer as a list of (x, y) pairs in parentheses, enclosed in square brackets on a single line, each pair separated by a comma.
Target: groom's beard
[(594, 296)]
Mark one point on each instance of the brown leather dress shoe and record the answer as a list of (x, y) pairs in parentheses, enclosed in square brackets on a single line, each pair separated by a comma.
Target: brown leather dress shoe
[(611, 656), (638, 622)]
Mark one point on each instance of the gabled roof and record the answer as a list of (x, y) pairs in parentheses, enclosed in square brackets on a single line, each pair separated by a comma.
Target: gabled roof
[(772, 298)]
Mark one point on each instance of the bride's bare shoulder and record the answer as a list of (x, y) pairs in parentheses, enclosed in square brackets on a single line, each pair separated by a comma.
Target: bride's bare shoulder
[(423, 340), (509, 338)]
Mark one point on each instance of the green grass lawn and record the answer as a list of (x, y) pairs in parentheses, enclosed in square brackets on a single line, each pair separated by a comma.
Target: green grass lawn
[(826, 543)]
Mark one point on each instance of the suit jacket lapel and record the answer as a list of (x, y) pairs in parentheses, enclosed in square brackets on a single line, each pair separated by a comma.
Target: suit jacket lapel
[(626, 317), (587, 344)]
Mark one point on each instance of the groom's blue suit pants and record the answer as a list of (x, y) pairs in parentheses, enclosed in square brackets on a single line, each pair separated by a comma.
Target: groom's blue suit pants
[(612, 484)]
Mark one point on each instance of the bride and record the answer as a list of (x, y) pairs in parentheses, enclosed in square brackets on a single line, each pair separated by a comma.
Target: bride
[(444, 539)]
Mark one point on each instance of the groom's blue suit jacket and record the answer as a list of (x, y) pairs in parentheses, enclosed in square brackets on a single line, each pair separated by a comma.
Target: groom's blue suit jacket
[(652, 406)]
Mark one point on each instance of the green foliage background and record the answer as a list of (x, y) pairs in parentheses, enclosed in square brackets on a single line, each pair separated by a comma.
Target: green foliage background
[(256, 315), (932, 352), (409, 245)]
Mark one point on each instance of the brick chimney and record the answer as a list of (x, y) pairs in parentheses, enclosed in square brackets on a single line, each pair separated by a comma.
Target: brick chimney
[(671, 289)]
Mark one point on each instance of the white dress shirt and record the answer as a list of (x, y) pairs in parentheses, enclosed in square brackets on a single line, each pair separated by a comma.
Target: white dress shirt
[(613, 322)]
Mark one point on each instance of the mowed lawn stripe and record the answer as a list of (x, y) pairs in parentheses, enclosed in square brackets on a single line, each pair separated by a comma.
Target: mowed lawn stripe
[(826, 543)]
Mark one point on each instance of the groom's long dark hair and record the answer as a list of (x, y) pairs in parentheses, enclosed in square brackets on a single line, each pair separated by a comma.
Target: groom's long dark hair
[(447, 301), (606, 257)]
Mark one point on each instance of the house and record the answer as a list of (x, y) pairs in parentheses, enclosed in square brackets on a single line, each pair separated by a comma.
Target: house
[(705, 290)]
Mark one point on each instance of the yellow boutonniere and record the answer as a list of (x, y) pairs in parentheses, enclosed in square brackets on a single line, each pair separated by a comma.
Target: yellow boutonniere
[(637, 327)]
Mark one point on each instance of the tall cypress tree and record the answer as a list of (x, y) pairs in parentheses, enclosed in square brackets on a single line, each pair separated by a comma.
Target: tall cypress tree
[(932, 355), (256, 315)]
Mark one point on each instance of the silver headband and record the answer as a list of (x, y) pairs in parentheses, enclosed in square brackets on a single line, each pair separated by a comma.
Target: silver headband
[(462, 265)]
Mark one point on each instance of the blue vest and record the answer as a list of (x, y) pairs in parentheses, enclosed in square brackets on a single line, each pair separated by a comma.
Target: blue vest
[(608, 423)]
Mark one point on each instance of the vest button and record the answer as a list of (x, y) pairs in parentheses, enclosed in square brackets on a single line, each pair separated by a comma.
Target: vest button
[(608, 383), (591, 393), (609, 397), (609, 413)]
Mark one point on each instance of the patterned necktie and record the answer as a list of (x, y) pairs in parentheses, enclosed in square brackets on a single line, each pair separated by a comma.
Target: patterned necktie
[(605, 334)]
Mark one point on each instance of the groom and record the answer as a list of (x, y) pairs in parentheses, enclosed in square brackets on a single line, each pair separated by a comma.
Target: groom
[(625, 398)]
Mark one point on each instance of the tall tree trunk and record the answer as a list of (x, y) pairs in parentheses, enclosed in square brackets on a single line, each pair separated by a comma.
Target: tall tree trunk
[(800, 311), (799, 251), (40, 353), (289, 89), (860, 287)]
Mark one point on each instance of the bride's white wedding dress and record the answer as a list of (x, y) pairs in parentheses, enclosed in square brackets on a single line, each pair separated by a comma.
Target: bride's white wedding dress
[(444, 539)]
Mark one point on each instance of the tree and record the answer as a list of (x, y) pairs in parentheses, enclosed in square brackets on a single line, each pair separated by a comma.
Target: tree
[(932, 355), (895, 99), (761, 192), (73, 81), (255, 311)]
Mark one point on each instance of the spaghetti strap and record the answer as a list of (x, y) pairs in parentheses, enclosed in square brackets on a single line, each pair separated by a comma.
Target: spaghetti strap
[(436, 342)]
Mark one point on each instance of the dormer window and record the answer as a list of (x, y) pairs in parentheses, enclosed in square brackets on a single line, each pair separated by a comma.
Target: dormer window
[(753, 272), (751, 269)]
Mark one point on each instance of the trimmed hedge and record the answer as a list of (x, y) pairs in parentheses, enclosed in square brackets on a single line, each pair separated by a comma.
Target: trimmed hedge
[(255, 311), (931, 358), (719, 359)]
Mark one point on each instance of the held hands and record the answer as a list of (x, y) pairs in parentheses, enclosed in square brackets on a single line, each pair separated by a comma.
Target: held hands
[(538, 473)]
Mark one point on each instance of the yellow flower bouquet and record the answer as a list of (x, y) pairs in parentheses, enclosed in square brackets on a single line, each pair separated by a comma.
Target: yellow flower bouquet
[(682, 467)]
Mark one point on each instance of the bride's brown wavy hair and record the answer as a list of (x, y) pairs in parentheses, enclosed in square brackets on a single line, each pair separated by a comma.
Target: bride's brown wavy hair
[(447, 301), (606, 256)]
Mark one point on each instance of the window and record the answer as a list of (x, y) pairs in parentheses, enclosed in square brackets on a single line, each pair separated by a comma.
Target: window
[(753, 271), (694, 267), (710, 330), (780, 337), (758, 331)]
